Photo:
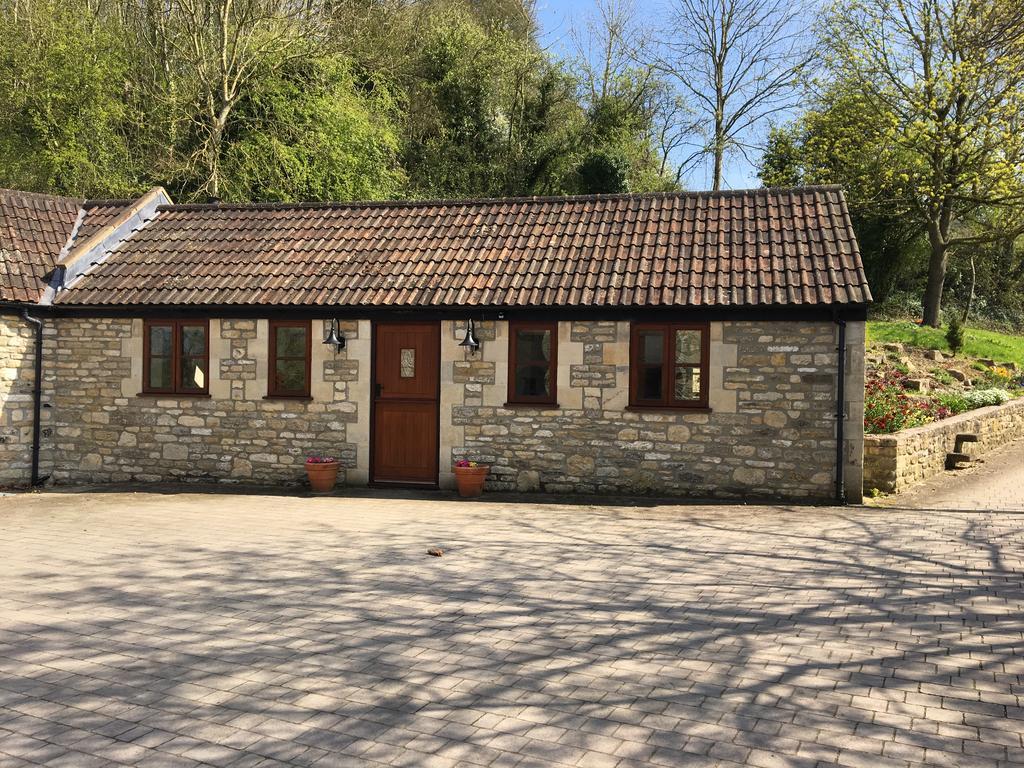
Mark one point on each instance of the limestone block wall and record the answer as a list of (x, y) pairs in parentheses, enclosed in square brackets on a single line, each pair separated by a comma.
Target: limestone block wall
[(770, 429), (893, 463), (17, 378), (105, 431)]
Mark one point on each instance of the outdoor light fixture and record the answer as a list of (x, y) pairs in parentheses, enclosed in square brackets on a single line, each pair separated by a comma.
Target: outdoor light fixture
[(334, 338), (470, 342)]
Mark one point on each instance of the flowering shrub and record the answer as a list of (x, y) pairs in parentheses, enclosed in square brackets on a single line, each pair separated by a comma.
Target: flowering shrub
[(320, 459), (466, 463), (979, 398), (888, 408), (996, 376)]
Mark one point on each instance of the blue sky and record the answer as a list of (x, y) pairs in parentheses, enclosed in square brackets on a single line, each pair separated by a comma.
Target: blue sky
[(556, 19)]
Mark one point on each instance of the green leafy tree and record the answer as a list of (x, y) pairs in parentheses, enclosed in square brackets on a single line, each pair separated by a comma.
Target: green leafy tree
[(486, 112), (945, 79), (202, 58), (838, 140), (319, 99), (66, 125), (631, 126), (307, 131)]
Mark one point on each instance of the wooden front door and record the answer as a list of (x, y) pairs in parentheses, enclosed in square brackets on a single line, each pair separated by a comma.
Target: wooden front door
[(406, 384)]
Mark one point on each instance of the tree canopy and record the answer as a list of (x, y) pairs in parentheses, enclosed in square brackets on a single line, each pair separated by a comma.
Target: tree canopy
[(920, 118), (270, 100), (914, 107)]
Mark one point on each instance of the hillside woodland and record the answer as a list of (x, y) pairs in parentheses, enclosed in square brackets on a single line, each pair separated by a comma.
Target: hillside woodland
[(915, 107)]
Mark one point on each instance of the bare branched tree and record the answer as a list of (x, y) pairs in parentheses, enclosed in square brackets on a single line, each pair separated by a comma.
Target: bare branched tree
[(615, 60), (738, 62), (205, 53), (608, 45)]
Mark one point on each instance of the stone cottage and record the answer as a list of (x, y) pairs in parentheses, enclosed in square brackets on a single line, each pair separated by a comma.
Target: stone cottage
[(704, 344)]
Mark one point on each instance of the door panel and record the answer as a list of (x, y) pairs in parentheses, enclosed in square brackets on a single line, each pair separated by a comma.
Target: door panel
[(405, 402)]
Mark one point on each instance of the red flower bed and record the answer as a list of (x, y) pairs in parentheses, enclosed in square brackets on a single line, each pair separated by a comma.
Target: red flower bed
[(889, 408)]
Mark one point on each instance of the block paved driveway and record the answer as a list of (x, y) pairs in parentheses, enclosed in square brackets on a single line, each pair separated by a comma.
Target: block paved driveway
[(230, 630), (994, 483)]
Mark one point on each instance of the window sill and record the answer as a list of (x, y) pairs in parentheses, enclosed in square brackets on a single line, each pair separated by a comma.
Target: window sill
[(293, 398), (538, 406), (669, 408), (176, 395)]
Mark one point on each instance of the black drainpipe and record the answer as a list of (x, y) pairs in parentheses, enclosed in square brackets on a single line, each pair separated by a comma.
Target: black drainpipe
[(37, 399), (841, 414)]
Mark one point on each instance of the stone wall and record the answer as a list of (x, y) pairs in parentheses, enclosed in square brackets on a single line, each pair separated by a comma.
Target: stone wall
[(769, 431), (893, 463), (105, 431), (17, 378)]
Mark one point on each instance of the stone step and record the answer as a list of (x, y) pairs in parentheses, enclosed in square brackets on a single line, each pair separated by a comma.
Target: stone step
[(964, 437), (954, 460)]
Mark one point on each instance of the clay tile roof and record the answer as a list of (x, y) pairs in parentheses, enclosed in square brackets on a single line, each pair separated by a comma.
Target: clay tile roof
[(34, 229), (752, 248), (99, 213)]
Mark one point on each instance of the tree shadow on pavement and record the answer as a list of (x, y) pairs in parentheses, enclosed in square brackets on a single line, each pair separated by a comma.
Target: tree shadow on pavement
[(671, 636)]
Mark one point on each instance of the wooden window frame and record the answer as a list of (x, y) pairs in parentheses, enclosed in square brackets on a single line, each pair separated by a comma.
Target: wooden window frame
[(272, 390), (669, 365), (177, 357), (514, 326)]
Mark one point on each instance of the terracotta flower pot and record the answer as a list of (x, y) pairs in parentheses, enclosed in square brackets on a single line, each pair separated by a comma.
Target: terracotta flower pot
[(470, 480), (322, 475)]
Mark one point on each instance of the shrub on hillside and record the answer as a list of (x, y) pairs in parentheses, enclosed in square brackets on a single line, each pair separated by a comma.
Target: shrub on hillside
[(960, 402), (955, 402), (955, 334)]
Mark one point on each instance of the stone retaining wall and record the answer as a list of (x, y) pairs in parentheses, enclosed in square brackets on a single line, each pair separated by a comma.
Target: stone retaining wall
[(893, 463)]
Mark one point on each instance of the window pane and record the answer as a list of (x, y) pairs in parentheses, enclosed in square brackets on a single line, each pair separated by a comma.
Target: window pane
[(651, 346), (160, 339), (193, 340), (650, 382), (407, 364), (533, 345), (192, 374), (688, 347), (291, 376), (687, 385), (533, 381), (160, 373), (291, 342)]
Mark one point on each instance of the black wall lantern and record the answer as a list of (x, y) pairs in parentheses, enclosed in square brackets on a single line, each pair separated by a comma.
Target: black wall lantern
[(470, 342), (334, 338)]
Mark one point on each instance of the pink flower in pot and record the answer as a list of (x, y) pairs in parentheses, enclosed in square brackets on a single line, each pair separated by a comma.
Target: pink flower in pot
[(470, 477), (322, 472)]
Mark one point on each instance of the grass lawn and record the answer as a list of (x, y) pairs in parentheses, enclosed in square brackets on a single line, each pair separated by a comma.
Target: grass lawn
[(1001, 347)]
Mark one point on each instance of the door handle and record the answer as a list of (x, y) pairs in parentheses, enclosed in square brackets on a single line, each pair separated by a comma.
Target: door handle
[(379, 389)]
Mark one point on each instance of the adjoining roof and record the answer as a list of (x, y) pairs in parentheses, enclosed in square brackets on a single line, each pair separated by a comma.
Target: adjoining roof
[(35, 230), (788, 247), (99, 214)]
